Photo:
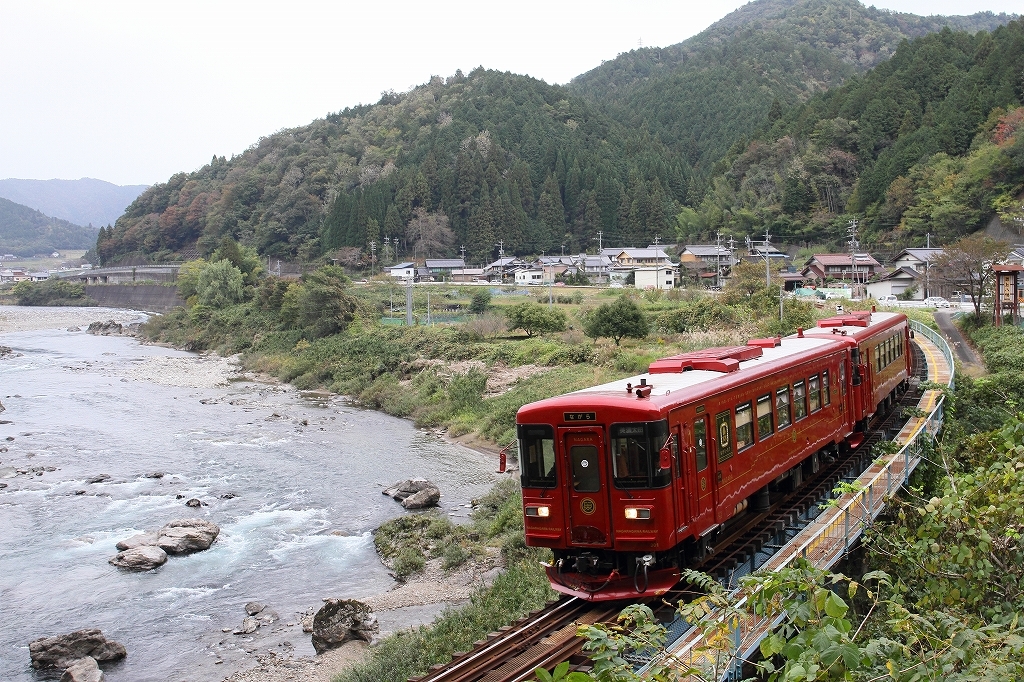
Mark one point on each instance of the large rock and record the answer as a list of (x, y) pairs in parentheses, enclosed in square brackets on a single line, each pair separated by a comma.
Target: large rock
[(83, 670), (428, 497), (62, 651), (403, 490), (187, 535), (142, 558), (340, 620), (140, 540), (105, 328)]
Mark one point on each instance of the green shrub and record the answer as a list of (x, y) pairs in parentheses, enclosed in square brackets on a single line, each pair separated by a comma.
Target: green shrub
[(409, 560)]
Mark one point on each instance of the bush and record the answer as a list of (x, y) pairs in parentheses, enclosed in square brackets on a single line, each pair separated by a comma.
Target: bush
[(480, 301), (535, 319), (409, 560)]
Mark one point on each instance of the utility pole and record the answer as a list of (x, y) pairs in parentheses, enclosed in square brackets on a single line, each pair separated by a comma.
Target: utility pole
[(854, 245), (387, 244), (462, 250), (767, 259), (501, 261), (408, 299), (927, 266), (657, 240), (373, 255), (718, 259), (600, 236)]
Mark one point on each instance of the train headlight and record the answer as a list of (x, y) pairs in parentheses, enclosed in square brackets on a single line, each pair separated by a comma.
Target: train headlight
[(637, 513), (538, 511)]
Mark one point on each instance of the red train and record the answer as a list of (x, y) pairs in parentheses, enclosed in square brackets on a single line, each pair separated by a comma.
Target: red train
[(628, 481)]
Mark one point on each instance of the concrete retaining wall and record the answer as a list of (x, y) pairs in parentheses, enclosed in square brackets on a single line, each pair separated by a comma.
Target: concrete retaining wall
[(150, 297)]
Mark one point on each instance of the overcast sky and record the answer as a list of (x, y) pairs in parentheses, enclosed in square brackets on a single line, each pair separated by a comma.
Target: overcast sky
[(134, 91)]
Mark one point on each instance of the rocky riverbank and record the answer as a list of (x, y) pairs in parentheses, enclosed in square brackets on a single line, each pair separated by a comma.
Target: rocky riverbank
[(270, 652)]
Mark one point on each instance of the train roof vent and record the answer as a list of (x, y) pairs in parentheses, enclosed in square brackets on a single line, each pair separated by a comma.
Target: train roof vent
[(860, 318), (770, 342), (725, 359)]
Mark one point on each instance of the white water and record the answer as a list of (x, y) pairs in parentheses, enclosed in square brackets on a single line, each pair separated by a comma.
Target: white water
[(308, 497)]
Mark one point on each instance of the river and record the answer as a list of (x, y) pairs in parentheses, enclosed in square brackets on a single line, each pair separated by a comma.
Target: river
[(294, 481)]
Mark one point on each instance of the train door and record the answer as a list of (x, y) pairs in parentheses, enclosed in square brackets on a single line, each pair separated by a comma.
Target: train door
[(589, 497), (700, 470)]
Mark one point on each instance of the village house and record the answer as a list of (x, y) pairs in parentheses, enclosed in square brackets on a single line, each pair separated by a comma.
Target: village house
[(841, 266), (441, 269)]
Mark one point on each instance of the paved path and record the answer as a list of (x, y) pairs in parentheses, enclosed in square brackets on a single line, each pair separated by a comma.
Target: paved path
[(961, 349)]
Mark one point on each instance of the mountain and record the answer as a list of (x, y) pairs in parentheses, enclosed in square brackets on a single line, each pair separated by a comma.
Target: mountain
[(84, 202), (492, 160), (25, 231), (929, 142), (702, 95)]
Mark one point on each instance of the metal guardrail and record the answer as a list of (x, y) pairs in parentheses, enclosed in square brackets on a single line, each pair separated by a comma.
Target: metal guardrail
[(839, 527)]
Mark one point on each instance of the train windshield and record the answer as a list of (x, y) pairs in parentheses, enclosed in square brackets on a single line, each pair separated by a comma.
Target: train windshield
[(635, 455), (537, 456)]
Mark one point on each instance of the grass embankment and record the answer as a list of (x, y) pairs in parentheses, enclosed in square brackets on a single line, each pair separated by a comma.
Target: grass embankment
[(446, 375)]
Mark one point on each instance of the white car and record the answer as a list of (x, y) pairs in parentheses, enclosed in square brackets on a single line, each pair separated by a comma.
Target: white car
[(888, 299), (936, 302)]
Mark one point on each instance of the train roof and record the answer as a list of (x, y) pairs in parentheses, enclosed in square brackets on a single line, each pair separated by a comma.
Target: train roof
[(694, 376), (859, 324)]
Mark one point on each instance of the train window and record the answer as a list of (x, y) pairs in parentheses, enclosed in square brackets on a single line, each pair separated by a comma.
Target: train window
[(782, 407), (536, 455), (764, 417), (814, 393), (799, 401), (586, 478), (744, 427), (636, 452), (722, 422), (700, 444), (826, 390)]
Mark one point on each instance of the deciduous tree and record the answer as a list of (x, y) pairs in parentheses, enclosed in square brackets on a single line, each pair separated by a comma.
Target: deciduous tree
[(967, 264), (535, 319), (615, 320)]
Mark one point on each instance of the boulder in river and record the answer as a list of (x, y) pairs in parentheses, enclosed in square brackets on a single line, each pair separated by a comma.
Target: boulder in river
[(340, 620), (83, 670), (99, 478), (194, 502), (140, 540), (63, 650), (185, 536), (142, 558), (414, 493), (105, 328)]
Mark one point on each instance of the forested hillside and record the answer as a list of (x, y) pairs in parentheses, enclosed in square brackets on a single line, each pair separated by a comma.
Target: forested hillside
[(928, 142), (477, 159), (703, 94), (27, 232), (496, 158)]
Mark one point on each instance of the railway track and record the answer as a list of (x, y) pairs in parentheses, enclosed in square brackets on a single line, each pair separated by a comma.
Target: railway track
[(546, 637)]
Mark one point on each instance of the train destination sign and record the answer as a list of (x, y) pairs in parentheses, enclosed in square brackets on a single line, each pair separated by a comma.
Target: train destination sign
[(580, 416)]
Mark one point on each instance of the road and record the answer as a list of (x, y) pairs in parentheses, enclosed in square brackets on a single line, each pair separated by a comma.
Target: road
[(965, 355)]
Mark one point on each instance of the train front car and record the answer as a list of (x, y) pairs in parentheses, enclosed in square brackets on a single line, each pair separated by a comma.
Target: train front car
[(601, 515), (631, 480)]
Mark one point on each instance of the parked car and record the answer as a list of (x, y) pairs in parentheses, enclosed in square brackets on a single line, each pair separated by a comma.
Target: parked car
[(936, 302), (889, 299)]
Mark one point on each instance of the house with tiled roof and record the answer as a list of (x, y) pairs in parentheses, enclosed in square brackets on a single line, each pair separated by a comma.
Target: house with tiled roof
[(442, 268), (841, 266)]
